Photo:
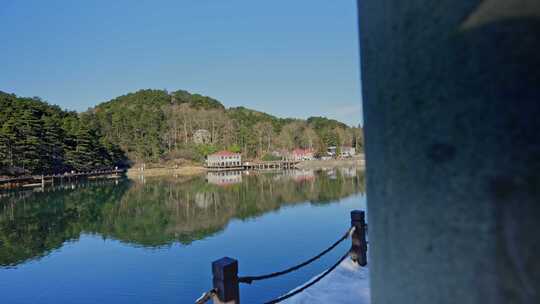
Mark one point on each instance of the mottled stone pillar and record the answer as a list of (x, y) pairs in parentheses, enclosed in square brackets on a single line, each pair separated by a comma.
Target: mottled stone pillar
[(451, 92)]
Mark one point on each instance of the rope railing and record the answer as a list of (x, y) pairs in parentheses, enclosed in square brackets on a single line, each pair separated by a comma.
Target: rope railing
[(205, 297), (225, 270), (250, 279), (311, 283)]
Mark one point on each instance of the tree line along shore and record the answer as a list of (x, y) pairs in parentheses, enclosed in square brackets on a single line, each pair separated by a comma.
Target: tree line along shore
[(154, 127)]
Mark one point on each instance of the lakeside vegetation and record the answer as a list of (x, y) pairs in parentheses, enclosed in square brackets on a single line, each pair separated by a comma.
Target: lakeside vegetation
[(150, 126)]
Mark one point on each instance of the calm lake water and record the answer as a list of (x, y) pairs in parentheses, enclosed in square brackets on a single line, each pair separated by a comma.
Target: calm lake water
[(153, 240)]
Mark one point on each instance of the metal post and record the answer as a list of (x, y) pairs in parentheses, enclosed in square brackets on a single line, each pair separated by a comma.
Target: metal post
[(358, 250), (225, 272)]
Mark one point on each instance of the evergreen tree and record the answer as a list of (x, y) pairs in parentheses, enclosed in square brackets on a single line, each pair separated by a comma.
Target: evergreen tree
[(29, 142), (53, 153), (37, 138), (8, 138)]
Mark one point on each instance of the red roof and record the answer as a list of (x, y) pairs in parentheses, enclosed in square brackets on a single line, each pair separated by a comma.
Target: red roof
[(302, 151), (225, 153)]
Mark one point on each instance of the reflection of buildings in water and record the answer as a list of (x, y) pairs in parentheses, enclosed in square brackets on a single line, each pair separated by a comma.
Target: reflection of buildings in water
[(303, 175), (298, 175), (282, 175), (348, 172), (13, 196), (203, 200), (224, 178), (332, 173), (192, 211)]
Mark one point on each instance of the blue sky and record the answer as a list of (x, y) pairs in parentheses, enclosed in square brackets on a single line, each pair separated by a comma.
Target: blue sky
[(293, 58)]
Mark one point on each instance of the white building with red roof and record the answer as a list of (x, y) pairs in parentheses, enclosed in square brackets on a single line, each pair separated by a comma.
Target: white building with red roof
[(224, 159), (302, 154)]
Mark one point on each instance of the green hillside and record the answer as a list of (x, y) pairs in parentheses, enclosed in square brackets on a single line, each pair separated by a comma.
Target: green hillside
[(150, 126)]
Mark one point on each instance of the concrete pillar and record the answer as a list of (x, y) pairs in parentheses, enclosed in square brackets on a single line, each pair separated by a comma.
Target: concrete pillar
[(451, 93)]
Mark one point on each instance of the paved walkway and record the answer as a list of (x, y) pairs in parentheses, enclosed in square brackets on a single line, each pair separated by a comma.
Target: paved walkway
[(347, 284)]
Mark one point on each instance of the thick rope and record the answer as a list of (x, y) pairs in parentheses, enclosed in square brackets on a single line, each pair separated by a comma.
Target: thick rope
[(250, 279), (304, 287), (205, 297)]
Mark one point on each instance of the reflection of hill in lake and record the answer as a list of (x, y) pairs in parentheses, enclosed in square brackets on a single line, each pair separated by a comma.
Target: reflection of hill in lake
[(158, 212), (33, 225)]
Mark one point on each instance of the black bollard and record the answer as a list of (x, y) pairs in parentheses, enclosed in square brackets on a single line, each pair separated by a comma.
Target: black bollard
[(225, 272), (358, 250)]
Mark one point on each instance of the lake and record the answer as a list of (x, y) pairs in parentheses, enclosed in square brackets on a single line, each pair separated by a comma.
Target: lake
[(153, 240)]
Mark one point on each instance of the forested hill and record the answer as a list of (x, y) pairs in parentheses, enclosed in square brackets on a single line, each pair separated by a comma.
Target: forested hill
[(154, 125), (36, 137), (149, 126)]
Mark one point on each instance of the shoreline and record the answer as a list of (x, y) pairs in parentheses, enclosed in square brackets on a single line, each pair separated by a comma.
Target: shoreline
[(197, 170), (154, 172), (333, 163)]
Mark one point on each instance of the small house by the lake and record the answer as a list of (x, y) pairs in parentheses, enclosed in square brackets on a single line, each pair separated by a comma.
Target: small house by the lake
[(331, 151), (344, 151), (224, 159), (302, 154), (348, 151)]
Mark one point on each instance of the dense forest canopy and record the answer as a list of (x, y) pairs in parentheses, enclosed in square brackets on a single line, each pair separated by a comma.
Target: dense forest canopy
[(150, 126), (40, 138)]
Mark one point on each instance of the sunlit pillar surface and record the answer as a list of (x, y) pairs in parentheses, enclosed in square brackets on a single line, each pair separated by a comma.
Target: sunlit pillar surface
[(451, 93)]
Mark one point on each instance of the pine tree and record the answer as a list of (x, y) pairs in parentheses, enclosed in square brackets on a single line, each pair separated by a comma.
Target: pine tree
[(29, 141), (53, 152), (39, 138), (8, 137)]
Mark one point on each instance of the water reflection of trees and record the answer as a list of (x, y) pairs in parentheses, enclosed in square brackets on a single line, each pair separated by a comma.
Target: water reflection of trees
[(158, 212), (33, 224)]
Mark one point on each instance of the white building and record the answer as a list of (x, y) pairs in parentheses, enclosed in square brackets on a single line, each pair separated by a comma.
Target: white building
[(302, 154), (331, 151), (348, 151), (224, 159), (202, 136), (344, 151)]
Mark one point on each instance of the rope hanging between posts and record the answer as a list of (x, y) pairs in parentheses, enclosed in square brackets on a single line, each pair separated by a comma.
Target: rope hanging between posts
[(250, 279), (317, 279), (205, 297), (225, 270)]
